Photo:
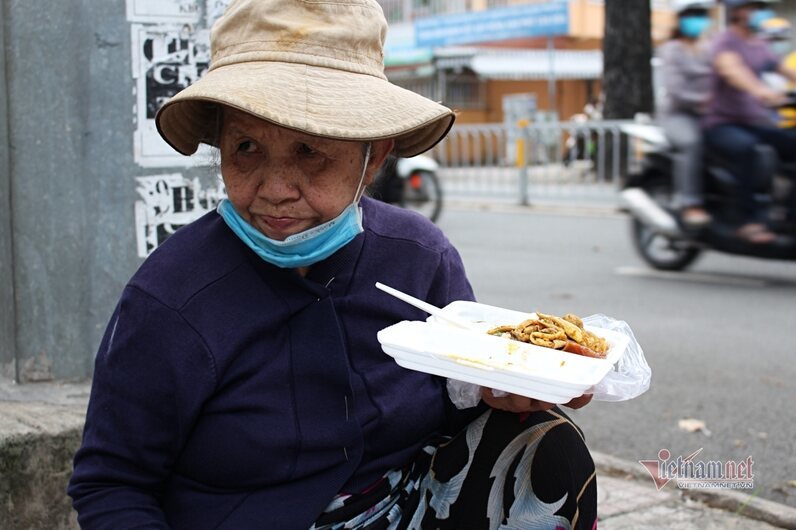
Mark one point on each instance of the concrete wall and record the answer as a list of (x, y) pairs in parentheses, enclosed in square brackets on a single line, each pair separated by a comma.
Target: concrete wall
[(7, 302), (70, 162), (40, 430), (70, 166)]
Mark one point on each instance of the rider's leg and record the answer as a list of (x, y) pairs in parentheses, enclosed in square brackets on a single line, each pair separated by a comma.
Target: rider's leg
[(736, 144), (685, 135), (784, 141)]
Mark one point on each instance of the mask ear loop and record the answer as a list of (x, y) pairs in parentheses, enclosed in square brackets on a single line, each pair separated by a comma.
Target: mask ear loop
[(358, 193)]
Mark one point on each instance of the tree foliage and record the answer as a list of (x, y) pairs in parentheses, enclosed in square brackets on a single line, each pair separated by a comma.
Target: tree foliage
[(627, 54)]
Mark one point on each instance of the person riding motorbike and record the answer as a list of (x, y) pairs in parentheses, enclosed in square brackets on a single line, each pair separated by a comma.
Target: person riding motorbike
[(687, 74), (739, 116)]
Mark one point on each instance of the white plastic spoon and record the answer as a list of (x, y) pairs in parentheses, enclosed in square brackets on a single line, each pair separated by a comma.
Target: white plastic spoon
[(425, 306)]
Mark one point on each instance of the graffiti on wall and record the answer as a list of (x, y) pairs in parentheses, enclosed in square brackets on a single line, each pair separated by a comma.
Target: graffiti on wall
[(170, 51), (167, 203)]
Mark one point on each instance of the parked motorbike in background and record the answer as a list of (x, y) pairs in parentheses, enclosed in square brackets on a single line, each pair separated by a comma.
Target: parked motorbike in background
[(410, 183), (665, 244)]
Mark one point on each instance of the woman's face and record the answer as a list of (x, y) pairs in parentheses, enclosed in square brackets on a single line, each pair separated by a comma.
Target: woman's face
[(283, 181)]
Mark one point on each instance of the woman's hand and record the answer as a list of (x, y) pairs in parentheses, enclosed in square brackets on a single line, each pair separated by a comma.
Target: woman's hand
[(516, 403), (769, 97)]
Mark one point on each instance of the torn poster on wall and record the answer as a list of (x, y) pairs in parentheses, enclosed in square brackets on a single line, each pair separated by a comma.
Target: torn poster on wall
[(170, 50), (167, 203)]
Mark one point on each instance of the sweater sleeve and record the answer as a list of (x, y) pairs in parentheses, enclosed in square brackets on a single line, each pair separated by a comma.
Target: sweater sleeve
[(152, 374), (684, 93), (450, 281)]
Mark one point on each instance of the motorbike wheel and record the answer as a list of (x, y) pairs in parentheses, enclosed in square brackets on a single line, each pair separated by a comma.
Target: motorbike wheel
[(422, 193), (660, 251)]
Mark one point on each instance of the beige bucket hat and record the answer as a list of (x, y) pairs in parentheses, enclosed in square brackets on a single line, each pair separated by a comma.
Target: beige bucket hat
[(316, 66)]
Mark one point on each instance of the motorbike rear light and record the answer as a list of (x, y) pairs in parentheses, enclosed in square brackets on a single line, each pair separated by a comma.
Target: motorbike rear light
[(416, 180)]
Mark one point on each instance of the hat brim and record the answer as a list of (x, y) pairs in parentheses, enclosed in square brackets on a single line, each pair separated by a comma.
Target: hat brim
[(319, 101)]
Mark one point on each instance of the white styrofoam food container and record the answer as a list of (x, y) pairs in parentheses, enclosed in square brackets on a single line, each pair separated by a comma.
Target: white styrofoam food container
[(438, 348)]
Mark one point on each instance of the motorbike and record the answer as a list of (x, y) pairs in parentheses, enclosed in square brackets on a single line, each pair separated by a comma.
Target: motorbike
[(666, 244), (410, 183)]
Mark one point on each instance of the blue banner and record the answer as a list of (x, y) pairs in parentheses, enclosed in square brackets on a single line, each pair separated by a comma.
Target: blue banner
[(528, 20)]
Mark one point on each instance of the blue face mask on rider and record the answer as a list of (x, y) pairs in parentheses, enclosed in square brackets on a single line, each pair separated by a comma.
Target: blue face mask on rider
[(694, 26), (307, 247), (758, 17)]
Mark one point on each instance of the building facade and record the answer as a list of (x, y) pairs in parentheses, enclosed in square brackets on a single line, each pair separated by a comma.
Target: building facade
[(477, 55)]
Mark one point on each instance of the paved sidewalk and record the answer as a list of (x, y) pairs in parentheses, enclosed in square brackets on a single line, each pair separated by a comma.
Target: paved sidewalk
[(40, 425), (628, 499)]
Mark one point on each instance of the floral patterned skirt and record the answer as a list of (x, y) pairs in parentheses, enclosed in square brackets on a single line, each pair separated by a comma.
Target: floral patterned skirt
[(504, 471)]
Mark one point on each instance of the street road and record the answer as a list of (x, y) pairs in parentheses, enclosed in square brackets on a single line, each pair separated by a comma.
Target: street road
[(720, 338)]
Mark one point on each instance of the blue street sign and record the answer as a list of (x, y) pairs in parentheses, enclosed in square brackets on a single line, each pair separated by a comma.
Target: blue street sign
[(528, 20)]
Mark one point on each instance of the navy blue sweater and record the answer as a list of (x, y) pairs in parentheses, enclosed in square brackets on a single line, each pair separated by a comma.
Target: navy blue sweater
[(229, 393)]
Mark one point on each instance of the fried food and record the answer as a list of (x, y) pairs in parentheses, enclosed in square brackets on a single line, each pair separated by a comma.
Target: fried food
[(572, 331), (561, 333)]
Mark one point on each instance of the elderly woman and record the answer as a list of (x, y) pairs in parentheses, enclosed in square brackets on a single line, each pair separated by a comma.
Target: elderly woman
[(240, 383)]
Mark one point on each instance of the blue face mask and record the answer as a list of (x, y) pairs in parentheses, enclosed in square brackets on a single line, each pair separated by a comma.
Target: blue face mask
[(758, 17), (694, 26), (307, 247)]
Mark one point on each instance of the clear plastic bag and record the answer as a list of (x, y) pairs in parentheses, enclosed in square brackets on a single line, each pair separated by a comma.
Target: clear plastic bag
[(629, 378), (631, 375), (464, 395)]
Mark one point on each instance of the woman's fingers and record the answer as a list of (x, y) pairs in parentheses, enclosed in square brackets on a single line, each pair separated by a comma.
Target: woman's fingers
[(579, 402), (514, 402), (517, 403)]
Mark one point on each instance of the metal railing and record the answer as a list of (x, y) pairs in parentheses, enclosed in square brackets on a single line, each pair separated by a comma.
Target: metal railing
[(540, 162)]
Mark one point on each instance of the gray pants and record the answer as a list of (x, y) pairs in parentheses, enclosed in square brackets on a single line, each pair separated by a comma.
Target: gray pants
[(685, 135)]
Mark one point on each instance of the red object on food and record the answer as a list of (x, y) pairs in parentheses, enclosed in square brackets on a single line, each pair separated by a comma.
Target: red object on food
[(579, 349)]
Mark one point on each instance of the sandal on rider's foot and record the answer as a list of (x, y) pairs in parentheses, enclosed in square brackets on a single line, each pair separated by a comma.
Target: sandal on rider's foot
[(755, 233), (695, 217)]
